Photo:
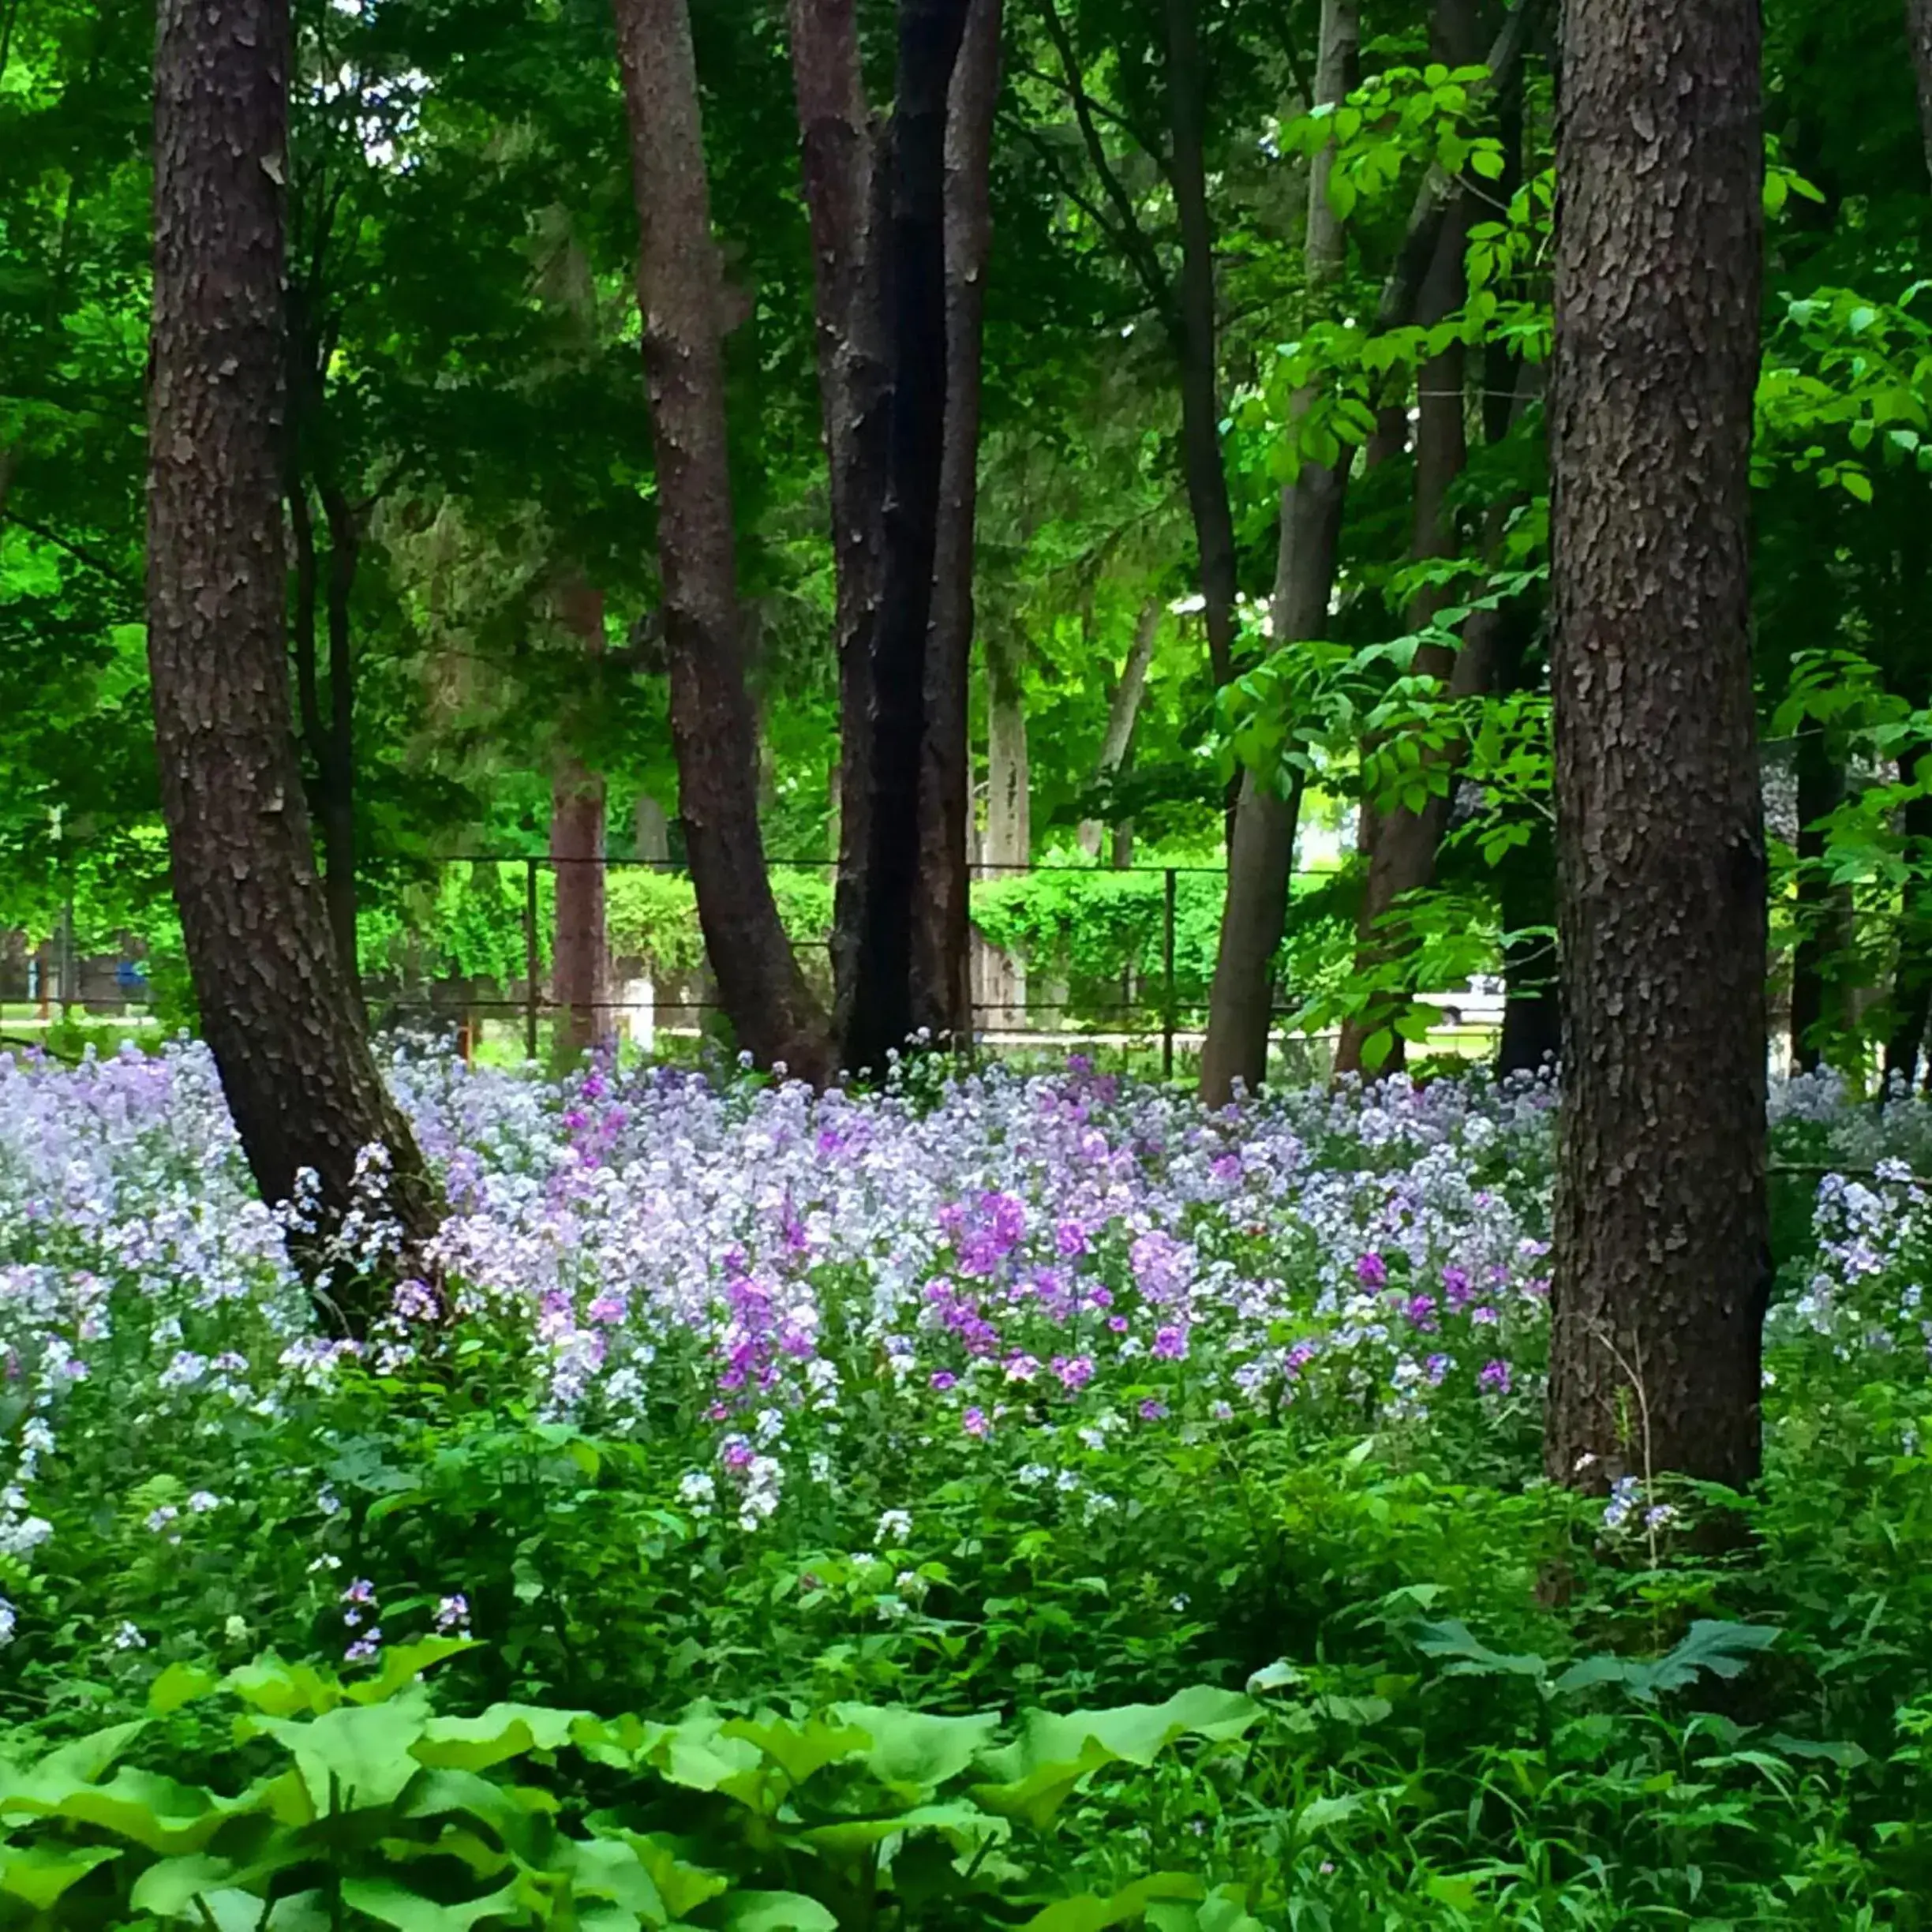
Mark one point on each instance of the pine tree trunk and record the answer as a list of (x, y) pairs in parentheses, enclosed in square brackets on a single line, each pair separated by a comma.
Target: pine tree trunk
[(580, 953), (1261, 851), (681, 294), (1197, 332), (338, 781), (941, 912), (277, 1010), (881, 1017), (1661, 1256)]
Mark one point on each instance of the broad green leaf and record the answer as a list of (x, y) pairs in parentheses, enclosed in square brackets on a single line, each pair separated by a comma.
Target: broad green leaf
[(281, 1689), (909, 1748), (363, 1752), (40, 1873), (1091, 1914), (179, 1684), (799, 1750), (683, 1886), (403, 1663), (776, 1911), (301, 1911), (503, 1731), (169, 1887), (964, 1825), (394, 1904)]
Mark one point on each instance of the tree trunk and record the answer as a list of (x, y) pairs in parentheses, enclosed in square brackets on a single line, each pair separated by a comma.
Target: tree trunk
[(1123, 710), (1823, 913), (1661, 1258), (847, 177), (339, 794), (680, 294), (580, 954), (1261, 852), (651, 833), (881, 1015), (1918, 25), (1402, 855), (941, 931), (276, 1009), (1911, 977), (1196, 331), (1008, 844), (1532, 1036)]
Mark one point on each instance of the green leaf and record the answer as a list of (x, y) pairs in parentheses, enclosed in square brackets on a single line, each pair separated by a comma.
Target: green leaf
[(179, 1684), (1471, 1657), (913, 1750), (40, 1873), (799, 1750), (683, 1886), (393, 1904), (776, 1911), (363, 1752), (1088, 1913), (403, 1663), (503, 1731), (964, 1825)]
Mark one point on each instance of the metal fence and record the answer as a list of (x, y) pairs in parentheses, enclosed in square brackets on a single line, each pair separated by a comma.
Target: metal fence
[(462, 943)]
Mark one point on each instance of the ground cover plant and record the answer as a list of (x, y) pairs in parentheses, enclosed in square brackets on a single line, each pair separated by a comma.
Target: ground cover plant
[(752, 1433)]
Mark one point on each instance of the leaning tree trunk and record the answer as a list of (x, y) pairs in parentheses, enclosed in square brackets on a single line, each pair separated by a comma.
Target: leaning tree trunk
[(276, 1007), (580, 955), (338, 777), (881, 1018), (1123, 711), (942, 913), (1261, 852), (1661, 1262), (680, 294), (1196, 331)]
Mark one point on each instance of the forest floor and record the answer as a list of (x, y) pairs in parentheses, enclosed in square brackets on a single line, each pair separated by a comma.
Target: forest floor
[(1016, 1499)]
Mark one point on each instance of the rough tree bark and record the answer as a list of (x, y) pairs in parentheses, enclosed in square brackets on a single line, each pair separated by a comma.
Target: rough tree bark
[(1123, 710), (339, 780), (846, 177), (276, 1009), (881, 1018), (1661, 1259), (941, 909), (1197, 332), (1261, 851), (680, 294), (580, 954)]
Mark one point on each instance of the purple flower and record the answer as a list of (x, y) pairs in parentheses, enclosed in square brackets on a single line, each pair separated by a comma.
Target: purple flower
[(1422, 1313), (944, 1379), (975, 1423), (1170, 1343), (1070, 1240), (1495, 1378), (1153, 1411), (1437, 1366), (1372, 1271)]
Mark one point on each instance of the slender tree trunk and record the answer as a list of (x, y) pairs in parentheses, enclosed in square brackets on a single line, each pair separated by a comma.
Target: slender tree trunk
[(1197, 332), (651, 831), (681, 294), (338, 782), (1123, 710), (1821, 910), (847, 174), (1532, 1036), (1008, 844), (1661, 1258), (580, 953), (1918, 25), (881, 1015), (276, 1009), (1911, 976), (941, 931), (1261, 852)]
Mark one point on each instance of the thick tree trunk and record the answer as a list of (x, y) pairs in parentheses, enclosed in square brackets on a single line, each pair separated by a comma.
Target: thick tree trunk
[(680, 294), (1261, 852), (1196, 332), (941, 912), (1123, 710), (845, 164), (1661, 1258), (276, 1009), (1822, 911), (580, 953), (881, 1015)]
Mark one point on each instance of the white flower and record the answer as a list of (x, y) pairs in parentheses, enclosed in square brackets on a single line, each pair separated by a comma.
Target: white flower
[(894, 1527), (128, 1638), (9, 1622)]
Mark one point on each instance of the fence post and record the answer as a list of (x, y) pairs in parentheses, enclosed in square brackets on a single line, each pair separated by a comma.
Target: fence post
[(530, 959), (1167, 974)]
